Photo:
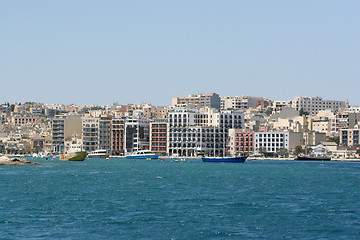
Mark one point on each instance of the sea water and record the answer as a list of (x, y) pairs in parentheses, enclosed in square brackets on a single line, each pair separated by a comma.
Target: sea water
[(124, 199)]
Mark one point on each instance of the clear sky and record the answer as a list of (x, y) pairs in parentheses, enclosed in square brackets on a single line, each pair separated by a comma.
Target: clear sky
[(101, 52)]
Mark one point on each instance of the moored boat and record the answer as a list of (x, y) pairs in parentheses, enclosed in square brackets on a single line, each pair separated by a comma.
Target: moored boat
[(224, 159), (73, 156), (100, 153), (145, 154), (313, 158)]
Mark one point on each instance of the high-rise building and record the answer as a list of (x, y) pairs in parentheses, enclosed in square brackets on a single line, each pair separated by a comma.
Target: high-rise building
[(105, 133), (90, 134), (63, 128), (117, 136), (158, 136), (136, 134)]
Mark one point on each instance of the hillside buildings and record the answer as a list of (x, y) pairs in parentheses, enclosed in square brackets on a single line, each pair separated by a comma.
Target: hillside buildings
[(313, 105), (198, 101), (197, 125)]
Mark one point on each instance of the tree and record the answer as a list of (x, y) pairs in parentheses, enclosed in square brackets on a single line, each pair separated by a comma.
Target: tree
[(282, 152), (269, 111), (334, 139), (302, 112), (298, 150)]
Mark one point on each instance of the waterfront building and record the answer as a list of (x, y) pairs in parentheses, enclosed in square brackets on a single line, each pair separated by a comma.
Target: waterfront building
[(313, 105), (195, 132), (241, 142), (158, 136), (270, 142), (105, 133), (211, 100), (349, 137), (136, 134), (63, 127), (195, 141), (90, 133), (117, 136)]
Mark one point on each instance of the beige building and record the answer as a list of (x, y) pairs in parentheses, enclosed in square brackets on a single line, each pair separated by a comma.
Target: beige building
[(313, 105), (20, 121), (349, 137), (211, 100)]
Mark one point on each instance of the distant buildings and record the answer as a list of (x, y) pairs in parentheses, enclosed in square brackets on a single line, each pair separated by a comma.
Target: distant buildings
[(313, 105), (197, 125), (243, 102), (198, 101)]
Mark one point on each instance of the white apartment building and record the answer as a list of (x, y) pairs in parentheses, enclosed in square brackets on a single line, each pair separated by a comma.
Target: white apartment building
[(313, 105), (196, 140), (271, 142)]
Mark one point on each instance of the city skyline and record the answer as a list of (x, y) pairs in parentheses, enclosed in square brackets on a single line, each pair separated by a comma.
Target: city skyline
[(89, 52)]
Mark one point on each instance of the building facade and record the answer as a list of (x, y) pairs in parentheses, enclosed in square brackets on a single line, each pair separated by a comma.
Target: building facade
[(349, 137), (136, 134), (199, 101), (313, 105), (158, 136), (90, 134), (271, 142), (117, 136), (241, 142)]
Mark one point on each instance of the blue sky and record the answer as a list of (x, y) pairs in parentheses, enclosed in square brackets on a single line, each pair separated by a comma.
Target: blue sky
[(101, 52)]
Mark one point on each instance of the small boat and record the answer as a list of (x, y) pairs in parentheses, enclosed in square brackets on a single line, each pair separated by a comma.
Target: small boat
[(100, 153), (145, 154), (73, 156), (313, 158), (224, 159)]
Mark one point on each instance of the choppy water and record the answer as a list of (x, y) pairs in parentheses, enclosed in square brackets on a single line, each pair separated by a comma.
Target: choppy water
[(124, 199)]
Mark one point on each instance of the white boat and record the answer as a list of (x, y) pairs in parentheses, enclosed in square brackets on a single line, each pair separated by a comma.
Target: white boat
[(100, 153), (144, 154)]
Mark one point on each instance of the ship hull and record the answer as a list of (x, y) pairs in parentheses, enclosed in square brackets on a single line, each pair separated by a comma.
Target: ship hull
[(225, 159), (74, 156), (146, 157), (99, 156), (309, 158)]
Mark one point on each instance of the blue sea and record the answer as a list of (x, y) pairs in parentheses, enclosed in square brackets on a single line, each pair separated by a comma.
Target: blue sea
[(124, 199)]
